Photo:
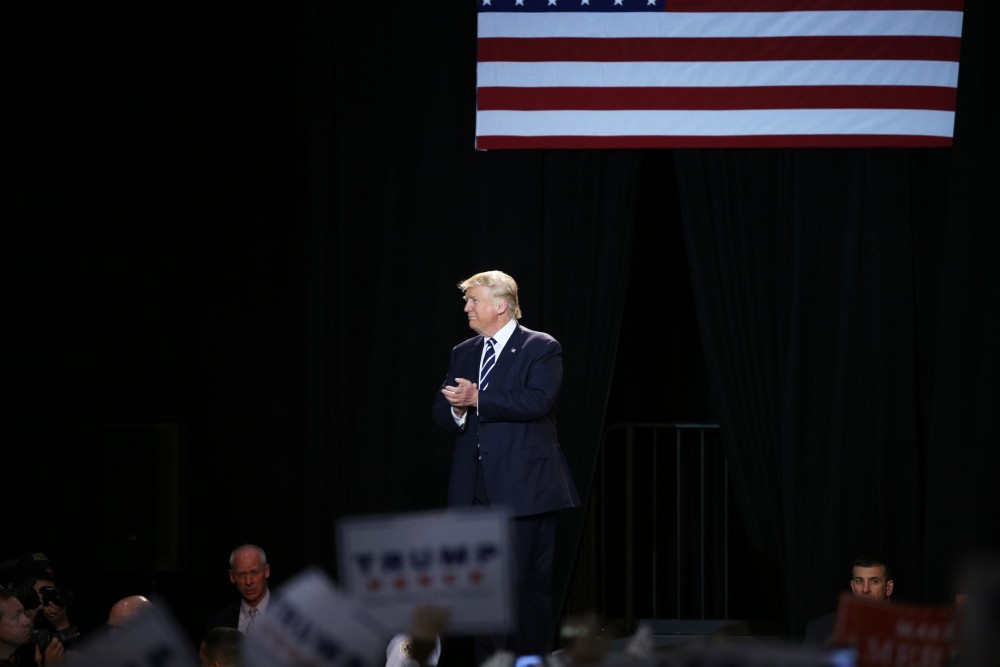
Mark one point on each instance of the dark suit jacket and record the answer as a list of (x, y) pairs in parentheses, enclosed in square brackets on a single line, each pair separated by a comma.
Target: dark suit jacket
[(514, 426), (224, 618)]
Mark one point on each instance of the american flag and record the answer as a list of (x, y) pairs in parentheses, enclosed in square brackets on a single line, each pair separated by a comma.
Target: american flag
[(716, 73)]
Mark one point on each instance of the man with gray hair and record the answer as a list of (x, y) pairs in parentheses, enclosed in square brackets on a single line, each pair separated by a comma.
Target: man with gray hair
[(249, 572)]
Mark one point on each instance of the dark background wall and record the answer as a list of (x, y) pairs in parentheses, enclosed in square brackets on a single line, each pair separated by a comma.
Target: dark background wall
[(234, 218)]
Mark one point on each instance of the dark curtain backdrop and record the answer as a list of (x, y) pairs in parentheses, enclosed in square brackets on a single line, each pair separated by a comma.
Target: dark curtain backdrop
[(845, 300), (809, 275), (249, 220)]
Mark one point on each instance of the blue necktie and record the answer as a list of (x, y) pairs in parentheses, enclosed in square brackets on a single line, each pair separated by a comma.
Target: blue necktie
[(489, 360)]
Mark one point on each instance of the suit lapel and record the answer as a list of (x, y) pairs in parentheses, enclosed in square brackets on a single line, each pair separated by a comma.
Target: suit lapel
[(475, 355), (506, 359)]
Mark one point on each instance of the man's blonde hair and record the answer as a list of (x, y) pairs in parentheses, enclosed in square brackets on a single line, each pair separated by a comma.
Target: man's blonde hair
[(502, 287)]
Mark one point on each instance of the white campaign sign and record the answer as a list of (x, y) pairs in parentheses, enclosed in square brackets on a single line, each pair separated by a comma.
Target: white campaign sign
[(309, 623), (151, 639), (459, 560)]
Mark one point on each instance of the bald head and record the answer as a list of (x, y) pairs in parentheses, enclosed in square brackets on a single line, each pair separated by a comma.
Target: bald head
[(128, 608)]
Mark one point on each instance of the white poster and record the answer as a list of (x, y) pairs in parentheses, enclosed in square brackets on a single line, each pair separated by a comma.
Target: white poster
[(309, 623), (459, 560), (151, 639)]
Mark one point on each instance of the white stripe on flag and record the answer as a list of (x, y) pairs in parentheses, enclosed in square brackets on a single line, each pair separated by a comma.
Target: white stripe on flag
[(721, 24), (716, 123), (754, 73)]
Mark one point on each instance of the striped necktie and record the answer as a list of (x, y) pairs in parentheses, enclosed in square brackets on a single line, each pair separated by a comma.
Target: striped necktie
[(489, 360)]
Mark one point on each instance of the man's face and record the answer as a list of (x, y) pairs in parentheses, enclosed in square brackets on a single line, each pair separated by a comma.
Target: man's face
[(870, 583), (250, 576), (484, 317), (15, 626)]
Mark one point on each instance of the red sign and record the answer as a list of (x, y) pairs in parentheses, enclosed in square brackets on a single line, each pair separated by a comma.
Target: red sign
[(894, 634)]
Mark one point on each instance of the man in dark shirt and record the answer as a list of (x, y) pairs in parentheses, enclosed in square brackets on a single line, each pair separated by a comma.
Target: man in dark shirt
[(871, 579)]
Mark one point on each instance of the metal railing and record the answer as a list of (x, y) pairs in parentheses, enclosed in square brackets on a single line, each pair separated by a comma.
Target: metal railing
[(657, 540)]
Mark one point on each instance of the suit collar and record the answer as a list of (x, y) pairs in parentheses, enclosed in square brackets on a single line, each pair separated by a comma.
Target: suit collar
[(503, 336)]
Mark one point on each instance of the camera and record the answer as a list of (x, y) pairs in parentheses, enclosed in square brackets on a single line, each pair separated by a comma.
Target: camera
[(43, 637), (60, 595)]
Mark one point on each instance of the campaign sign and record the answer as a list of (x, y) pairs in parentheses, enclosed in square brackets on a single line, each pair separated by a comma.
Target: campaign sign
[(895, 634), (459, 560), (309, 623), (151, 639)]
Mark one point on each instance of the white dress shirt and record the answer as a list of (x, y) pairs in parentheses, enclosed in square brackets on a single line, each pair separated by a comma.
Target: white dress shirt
[(501, 337), (244, 625)]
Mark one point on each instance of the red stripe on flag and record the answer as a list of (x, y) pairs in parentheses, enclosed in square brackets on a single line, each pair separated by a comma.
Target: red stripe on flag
[(716, 49), (918, 114), (750, 97), (763, 141)]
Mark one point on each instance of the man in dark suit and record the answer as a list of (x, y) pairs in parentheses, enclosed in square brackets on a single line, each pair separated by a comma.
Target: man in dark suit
[(499, 400), (249, 572)]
